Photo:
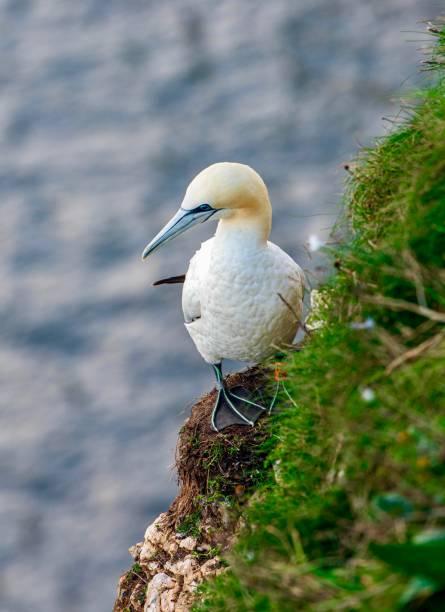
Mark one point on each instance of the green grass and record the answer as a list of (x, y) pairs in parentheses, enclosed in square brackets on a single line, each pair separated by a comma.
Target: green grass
[(359, 454)]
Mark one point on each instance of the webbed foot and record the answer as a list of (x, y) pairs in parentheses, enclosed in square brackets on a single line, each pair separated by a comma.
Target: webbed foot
[(235, 407)]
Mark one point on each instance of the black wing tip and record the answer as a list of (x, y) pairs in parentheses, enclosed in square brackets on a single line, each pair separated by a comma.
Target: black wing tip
[(171, 280)]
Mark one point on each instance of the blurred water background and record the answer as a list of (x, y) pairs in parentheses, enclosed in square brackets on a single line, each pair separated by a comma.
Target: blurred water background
[(108, 109)]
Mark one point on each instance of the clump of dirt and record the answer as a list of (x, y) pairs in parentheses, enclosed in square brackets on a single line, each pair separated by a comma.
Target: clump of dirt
[(213, 465)]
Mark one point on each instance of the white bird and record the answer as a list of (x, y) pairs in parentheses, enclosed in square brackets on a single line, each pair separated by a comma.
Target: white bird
[(242, 295)]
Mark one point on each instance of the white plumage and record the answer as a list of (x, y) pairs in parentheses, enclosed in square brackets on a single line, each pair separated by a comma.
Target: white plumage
[(243, 295), (231, 299)]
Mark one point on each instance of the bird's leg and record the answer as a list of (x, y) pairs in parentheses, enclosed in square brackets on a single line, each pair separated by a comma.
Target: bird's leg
[(231, 409)]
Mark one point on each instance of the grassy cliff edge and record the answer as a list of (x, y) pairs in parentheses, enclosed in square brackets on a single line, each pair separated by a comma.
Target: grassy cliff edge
[(351, 511)]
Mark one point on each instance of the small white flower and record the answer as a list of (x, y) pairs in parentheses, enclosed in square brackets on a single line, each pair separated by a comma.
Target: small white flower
[(313, 320), (367, 394), (314, 243)]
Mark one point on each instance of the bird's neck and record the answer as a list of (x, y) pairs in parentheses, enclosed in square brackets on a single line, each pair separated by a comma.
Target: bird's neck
[(250, 227)]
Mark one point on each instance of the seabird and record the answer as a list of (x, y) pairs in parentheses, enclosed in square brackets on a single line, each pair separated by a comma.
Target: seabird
[(243, 296)]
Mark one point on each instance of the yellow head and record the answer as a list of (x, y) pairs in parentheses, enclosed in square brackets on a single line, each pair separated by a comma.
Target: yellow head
[(231, 192)]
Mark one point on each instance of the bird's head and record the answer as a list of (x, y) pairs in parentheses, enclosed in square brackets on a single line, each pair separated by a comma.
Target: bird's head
[(231, 192)]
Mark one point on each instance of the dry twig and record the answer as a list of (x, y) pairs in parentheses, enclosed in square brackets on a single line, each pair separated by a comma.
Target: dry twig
[(396, 304), (415, 352)]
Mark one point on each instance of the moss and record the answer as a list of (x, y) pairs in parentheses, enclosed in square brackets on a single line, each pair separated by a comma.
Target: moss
[(190, 525), (356, 453)]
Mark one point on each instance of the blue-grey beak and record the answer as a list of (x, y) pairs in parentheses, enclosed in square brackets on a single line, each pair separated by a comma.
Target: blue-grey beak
[(182, 221)]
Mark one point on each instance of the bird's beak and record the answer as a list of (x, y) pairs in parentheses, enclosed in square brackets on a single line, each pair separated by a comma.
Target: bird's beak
[(182, 221)]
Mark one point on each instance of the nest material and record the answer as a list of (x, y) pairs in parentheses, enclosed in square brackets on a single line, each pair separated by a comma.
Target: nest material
[(224, 463)]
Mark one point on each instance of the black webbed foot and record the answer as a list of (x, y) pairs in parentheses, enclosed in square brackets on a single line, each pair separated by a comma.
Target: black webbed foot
[(235, 407)]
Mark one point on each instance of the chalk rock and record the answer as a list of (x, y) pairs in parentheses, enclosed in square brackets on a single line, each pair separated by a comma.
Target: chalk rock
[(171, 568), (167, 601), (171, 546), (135, 550), (187, 567), (155, 533), (211, 567), (188, 543), (154, 602), (148, 551)]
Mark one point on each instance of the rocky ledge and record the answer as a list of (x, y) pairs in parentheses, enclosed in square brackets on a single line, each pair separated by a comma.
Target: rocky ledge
[(183, 546), (168, 566)]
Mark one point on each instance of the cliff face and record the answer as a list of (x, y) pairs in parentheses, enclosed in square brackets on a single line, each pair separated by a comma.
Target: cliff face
[(182, 547), (168, 566)]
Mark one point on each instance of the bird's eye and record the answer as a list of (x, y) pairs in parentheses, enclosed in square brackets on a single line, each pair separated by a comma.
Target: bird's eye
[(203, 208)]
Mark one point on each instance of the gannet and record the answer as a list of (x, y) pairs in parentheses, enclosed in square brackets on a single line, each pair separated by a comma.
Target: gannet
[(243, 296)]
